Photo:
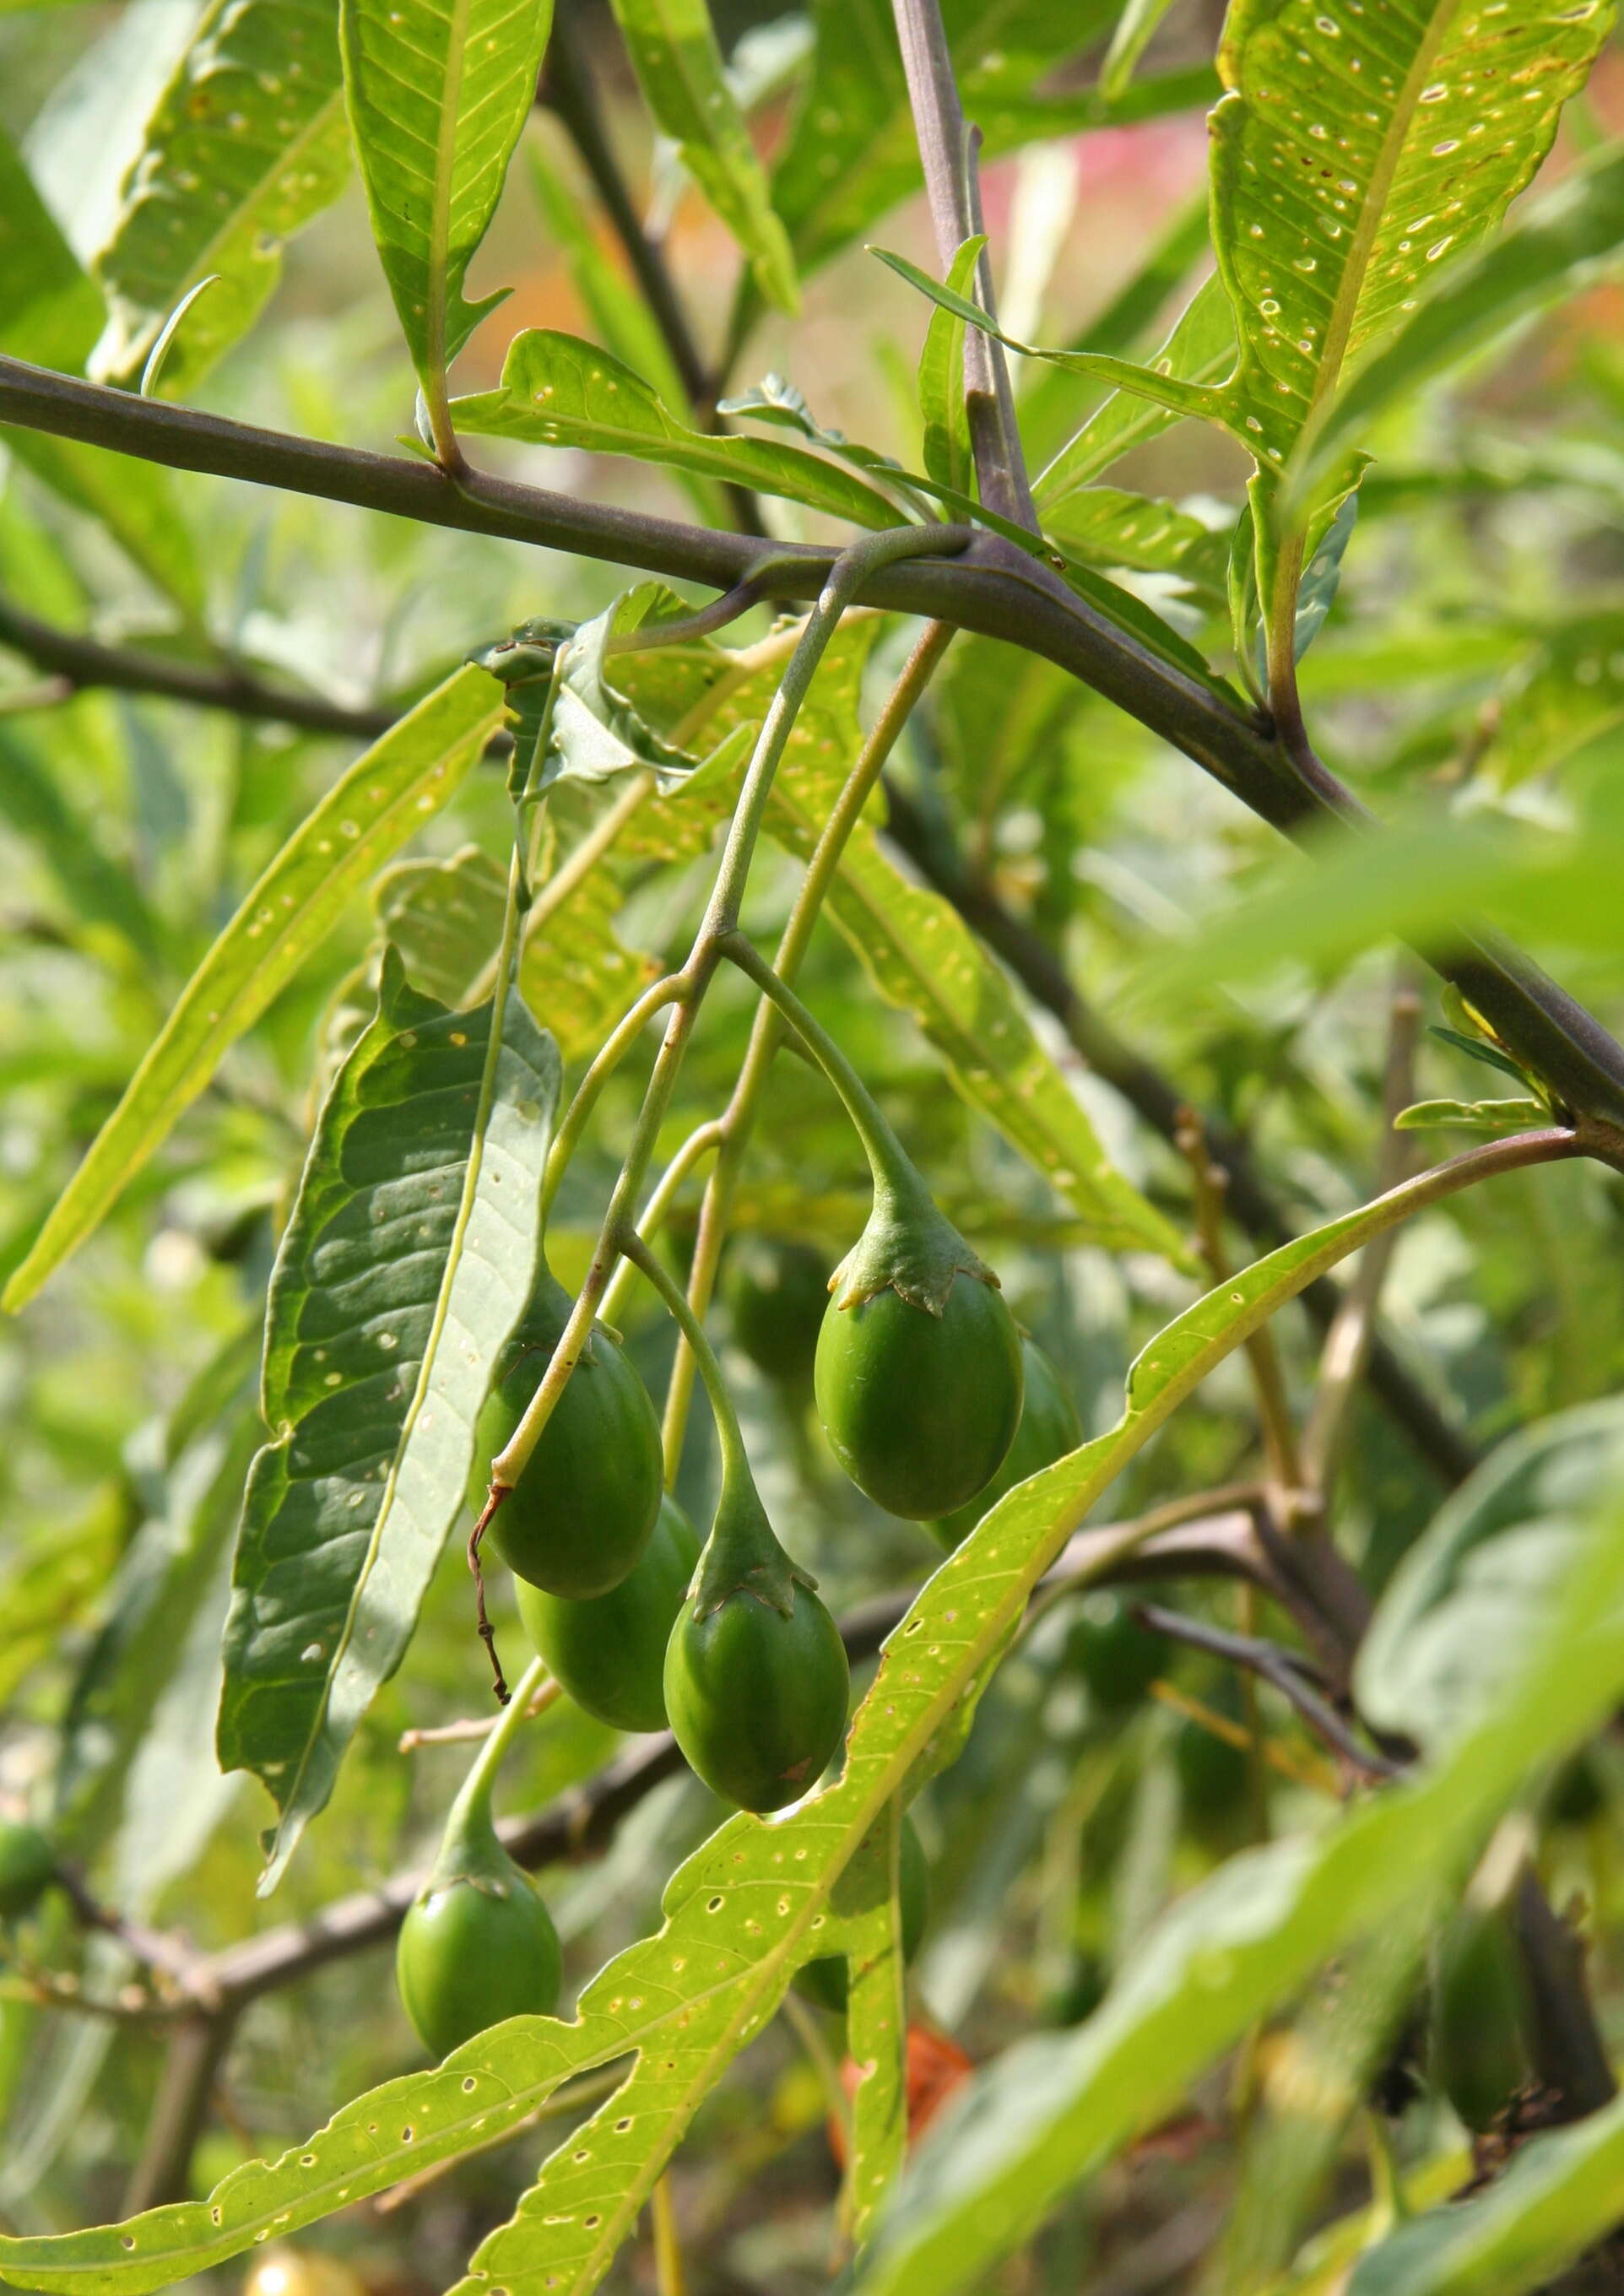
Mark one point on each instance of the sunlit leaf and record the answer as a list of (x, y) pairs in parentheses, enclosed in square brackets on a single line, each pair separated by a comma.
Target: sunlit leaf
[(673, 47), (1200, 350), (558, 391), (407, 1262), (438, 92), (248, 143), (1557, 2194), (386, 796), (948, 455)]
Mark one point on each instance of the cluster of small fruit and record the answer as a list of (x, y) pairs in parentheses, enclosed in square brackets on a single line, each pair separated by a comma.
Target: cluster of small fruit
[(934, 1404)]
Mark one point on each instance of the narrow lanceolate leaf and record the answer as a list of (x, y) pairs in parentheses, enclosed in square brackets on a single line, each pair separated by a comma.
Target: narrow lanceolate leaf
[(1573, 237), (1108, 526), (51, 313), (948, 455), (673, 48), (558, 391), (1353, 151), (385, 797), (248, 143), (1557, 2195), (1200, 350), (406, 1264), (755, 1902), (438, 92)]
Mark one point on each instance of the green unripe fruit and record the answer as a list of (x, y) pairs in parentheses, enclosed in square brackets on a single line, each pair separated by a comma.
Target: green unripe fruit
[(756, 1678), (478, 1945), (28, 1867), (1118, 1659), (1049, 1428), (776, 1293), (609, 1652), (827, 1980), (921, 1409), (1478, 2009), (584, 1505)]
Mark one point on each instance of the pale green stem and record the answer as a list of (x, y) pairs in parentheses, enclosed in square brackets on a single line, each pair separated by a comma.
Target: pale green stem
[(698, 1144), (671, 990), (738, 1121), (728, 1435), (476, 1787), (847, 576), (888, 1158)]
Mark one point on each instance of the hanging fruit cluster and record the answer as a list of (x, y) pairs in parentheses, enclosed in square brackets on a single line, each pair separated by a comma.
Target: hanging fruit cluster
[(932, 1399)]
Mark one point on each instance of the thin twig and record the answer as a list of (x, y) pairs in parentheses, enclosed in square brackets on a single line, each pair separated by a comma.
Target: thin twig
[(462, 1733), (1347, 1344), (1291, 1675), (1314, 1774)]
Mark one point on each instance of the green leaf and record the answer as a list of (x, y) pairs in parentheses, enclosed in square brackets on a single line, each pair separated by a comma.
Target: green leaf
[(1556, 249), (1200, 350), (1446, 1635), (50, 315), (1108, 526), (387, 795), (248, 143), (438, 92), (404, 1270), (1494, 1116), (1052, 2109), (777, 400), (1351, 153), (876, 2020), (597, 732), (1557, 2194), (559, 391), (1135, 28), (446, 919), (948, 454), (1169, 391), (1317, 592), (673, 48), (753, 1903)]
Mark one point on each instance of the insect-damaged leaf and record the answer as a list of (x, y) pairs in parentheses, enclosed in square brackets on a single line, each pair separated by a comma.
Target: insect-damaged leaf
[(406, 1264)]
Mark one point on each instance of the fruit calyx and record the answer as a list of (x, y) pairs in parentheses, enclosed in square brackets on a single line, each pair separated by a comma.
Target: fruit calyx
[(742, 1556), (470, 1850), (909, 1247)]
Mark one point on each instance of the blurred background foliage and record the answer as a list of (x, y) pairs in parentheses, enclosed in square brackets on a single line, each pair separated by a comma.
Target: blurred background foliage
[(1470, 683)]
